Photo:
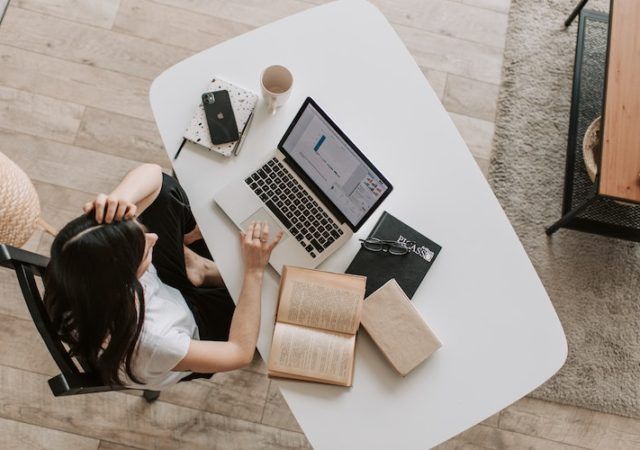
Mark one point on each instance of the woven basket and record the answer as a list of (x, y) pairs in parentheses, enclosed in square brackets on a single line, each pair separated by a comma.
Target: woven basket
[(19, 204), (590, 147)]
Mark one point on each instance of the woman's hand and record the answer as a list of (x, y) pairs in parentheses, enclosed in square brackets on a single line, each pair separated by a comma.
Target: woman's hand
[(256, 248), (110, 207)]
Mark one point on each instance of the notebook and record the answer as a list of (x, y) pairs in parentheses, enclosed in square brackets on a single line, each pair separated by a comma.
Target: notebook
[(397, 328), (408, 270), (243, 103)]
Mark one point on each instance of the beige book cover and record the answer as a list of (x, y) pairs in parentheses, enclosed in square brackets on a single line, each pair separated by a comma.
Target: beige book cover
[(397, 328), (316, 323)]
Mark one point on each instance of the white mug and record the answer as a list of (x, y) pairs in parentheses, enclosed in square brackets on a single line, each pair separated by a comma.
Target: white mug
[(276, 82)]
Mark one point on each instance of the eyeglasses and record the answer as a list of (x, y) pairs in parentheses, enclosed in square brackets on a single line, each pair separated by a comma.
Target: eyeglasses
[(391, 247)]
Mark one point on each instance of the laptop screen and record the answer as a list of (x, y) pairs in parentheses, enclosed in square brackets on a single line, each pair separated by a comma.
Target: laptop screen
[(334, 164)]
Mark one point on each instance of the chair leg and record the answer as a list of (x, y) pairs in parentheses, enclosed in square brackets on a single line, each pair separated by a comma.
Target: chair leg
[(46, 227), (151, 396), (575, 12)]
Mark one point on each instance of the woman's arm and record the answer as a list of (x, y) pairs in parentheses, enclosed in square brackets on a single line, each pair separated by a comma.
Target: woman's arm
[(137, 190), (237, 352)]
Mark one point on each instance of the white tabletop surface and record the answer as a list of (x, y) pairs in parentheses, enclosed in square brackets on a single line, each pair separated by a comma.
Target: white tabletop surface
[(482, 297)]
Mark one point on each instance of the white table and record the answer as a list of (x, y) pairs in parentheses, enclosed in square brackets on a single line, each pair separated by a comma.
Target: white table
[(501, 336)]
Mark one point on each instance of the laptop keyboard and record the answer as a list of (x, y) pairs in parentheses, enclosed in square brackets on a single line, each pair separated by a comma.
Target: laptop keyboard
[(294, 207)]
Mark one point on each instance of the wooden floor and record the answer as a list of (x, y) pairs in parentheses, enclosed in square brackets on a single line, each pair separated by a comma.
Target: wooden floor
[(74, 113)]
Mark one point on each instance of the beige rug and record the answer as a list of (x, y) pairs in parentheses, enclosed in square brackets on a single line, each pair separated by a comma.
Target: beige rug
[(594, 282)]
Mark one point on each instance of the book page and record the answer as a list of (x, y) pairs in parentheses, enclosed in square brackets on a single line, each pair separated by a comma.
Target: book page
[(323, 300), (312, 354)]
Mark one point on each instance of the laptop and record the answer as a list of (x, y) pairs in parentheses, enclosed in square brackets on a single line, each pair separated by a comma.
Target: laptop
[(317, 187)]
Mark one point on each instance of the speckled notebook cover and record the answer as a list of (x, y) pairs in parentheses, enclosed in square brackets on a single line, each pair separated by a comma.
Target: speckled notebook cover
[(243, 103)]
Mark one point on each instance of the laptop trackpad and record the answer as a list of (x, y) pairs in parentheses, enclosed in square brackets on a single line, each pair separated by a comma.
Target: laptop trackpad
[(261, 215)]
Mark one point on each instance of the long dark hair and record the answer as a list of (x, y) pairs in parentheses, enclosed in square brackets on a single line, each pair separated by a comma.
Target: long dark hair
[(92, 293)]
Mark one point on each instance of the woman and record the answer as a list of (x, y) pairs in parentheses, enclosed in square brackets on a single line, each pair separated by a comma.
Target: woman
[(135, 303)]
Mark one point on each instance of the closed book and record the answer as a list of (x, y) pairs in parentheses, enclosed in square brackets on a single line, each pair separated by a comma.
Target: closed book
[(408, 270), (397, 328)]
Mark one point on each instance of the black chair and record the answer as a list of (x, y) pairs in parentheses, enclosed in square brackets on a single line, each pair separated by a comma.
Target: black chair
[(75, 377)]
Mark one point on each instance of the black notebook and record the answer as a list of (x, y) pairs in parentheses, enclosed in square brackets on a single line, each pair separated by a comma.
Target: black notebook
[(408, 269)]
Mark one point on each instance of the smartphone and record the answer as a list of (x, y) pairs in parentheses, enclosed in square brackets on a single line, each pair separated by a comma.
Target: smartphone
[(220, 117)]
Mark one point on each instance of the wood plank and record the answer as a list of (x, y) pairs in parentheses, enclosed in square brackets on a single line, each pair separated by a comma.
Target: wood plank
[(277, 412), (484, 164), (22, 347), (477, 134), (174, 26), (65, 165), (471, 98), (455, 56), (106, 445), (240, 394), (482, 436), (443, 17), (316, 2), (493, 421), (130, 420), (501, 6), (39, 115), (98, 13), (59, 205), (480, 21), (249, 12), (437, 79), (34, 241), (571, 425), (74, 82), (18, 436), (257, 364), (620, 166), (123, 136), (12, 303), (87, 45), (494, 5), (455, 444)]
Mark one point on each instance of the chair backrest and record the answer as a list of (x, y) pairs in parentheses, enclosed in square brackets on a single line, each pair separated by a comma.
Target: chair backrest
[(71, 380)]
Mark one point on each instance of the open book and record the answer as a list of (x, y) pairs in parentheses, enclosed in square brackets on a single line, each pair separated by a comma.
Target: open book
[(315, 334)]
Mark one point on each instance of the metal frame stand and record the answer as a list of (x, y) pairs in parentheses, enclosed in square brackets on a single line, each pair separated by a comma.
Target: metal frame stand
[(568, 217), (583, 208), (575, 12)]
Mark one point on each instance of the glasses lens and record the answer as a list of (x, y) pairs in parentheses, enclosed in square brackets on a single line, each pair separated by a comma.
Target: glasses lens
[(397, 249), (373, 246)]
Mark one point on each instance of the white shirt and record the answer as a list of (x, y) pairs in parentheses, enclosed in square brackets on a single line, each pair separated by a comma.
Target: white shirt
[(166, 334)]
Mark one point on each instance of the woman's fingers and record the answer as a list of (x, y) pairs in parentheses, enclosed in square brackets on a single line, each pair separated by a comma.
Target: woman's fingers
[(107, 209), (257, 230), (112, 207), (120, 211), (276, 240), (264, 235), (87, 207), (131, 212), (249, 233), (99, 207)]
